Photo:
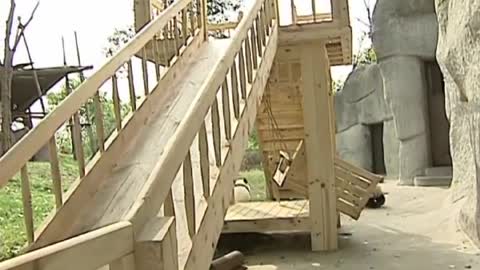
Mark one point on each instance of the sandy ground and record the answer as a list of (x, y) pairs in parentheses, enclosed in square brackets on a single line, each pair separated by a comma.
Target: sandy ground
[(415, 230)]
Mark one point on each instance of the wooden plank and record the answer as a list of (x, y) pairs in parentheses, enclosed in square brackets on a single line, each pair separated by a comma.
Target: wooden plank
[(99, 122), (295, 224), (146, 88), (226, 110), (204, 160), (217, 148), (131, 86), (55, 172), (31, 143), (243, 78), (101, 247), (318, 142), (27, 204), (189, 194), (116, 103), (169, 205), (142, 11), (235, 94), (248, 55), (155, 246)]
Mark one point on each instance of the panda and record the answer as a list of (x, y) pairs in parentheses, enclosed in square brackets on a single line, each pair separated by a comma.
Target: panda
[(377, 199), (241, 190)]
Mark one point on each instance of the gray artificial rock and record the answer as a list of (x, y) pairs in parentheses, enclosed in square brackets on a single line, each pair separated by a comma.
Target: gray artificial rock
[(458, 54)]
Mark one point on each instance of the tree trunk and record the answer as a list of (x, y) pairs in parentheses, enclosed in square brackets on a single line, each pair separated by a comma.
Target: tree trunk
[(6, 108)]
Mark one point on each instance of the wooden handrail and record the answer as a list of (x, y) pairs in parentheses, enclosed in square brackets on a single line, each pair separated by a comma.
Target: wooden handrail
[(12, 161), (85, 252)]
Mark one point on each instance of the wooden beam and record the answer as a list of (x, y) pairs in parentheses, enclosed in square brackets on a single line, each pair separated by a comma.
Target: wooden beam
[(320, 148), (87, 251), (156, 245), (296, 224), (142, 11)]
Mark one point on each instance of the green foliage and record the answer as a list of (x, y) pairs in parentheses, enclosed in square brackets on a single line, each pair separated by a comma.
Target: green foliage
[(365, 57), (217, 10), (253, 141), (337, 85), (12, 231)]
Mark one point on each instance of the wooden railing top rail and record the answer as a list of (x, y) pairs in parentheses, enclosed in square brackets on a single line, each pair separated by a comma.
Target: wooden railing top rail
[(19, 154), (85, 252), (161, 179)]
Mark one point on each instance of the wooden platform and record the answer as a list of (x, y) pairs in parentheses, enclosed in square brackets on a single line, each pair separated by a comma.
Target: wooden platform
[(272, 216)]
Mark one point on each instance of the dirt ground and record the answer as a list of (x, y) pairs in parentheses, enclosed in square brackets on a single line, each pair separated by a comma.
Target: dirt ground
[(415, 230)]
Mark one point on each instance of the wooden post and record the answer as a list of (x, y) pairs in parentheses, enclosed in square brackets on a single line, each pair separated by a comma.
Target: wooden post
[(142, 10), (320, 153), (156, 245), (204, 19)]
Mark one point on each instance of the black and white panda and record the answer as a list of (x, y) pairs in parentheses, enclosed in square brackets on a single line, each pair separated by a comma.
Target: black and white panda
[(377, 199), (241, 190)]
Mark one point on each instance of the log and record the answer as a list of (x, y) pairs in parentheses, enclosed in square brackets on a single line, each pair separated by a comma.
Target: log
[(231, 261)]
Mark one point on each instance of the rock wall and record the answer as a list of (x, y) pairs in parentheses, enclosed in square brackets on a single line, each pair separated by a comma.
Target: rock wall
[(359, 104), (458, 54), (404, 36)]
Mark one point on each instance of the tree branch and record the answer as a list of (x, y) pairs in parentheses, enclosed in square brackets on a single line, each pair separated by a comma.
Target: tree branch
[(21, 27), (8, 32)]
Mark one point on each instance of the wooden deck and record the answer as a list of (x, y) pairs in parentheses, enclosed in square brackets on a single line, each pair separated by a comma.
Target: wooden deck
[(272, 216)]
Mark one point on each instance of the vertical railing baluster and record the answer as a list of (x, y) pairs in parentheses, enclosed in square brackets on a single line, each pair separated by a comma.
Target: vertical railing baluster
[(204, 160), (184, 26), (203, 18), (192, 19), (131, 86), (169, 206), (248, 55), (189, 194), (216, 133), (166, 47), (226, 110), (78, 145), (294, 12), (235, 95), (259, 32), (156, 57), (116, 103), (253, 41), (99, 122), (55, 172), (146, 88), (177, 36), (27, 204), (265, 25), (243, 78), (314, 11)]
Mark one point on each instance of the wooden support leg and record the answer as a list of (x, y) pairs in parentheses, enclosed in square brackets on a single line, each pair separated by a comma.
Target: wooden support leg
[(320, 148), (156, 245)]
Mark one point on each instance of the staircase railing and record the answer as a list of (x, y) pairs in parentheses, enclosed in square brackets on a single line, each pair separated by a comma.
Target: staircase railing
[(143, 45), (217, 124)]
